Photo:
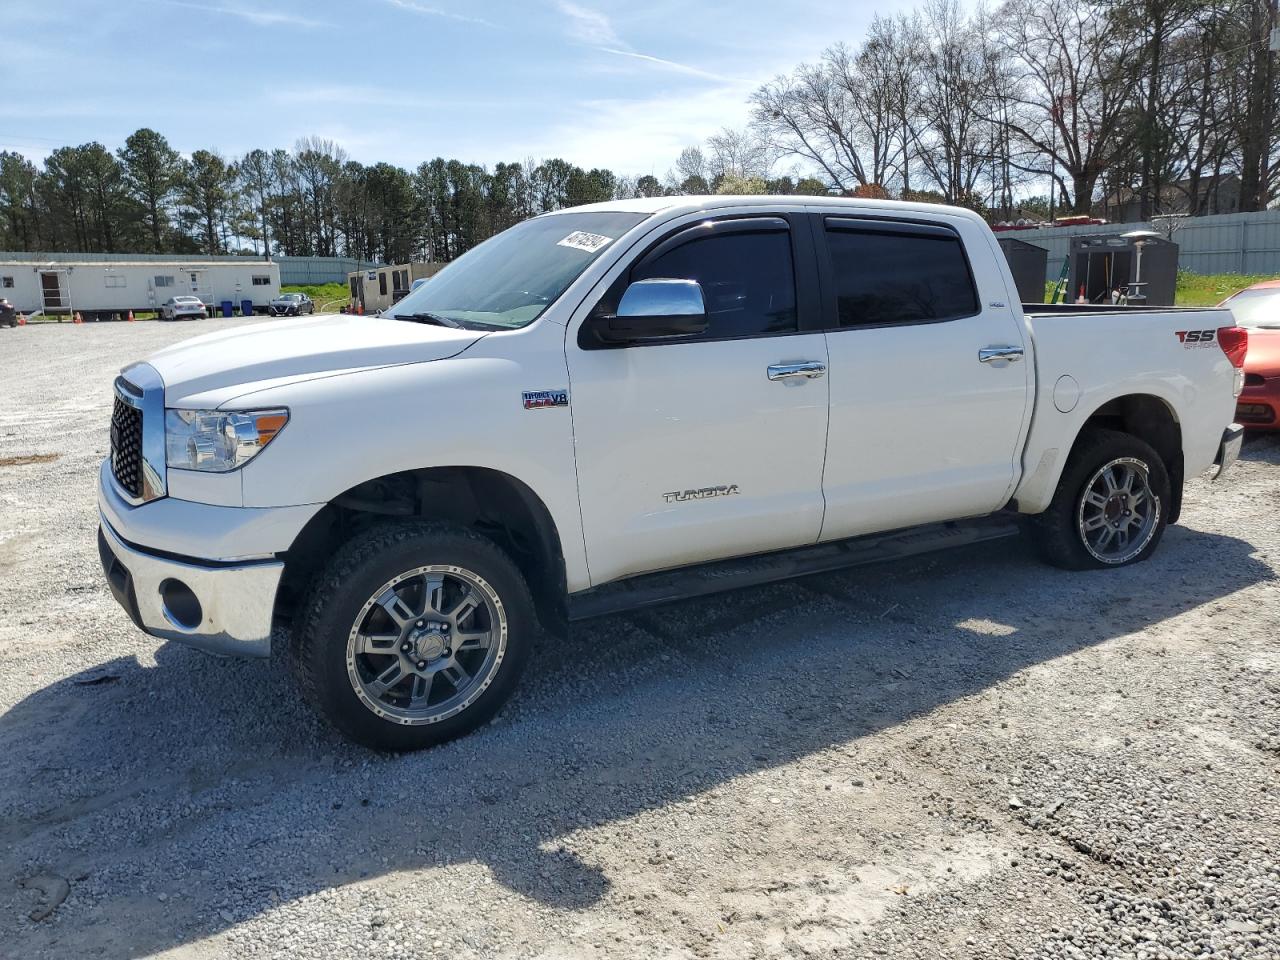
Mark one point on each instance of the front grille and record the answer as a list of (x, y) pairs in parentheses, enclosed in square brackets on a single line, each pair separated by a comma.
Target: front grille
[(126, 447), (1254, 380)]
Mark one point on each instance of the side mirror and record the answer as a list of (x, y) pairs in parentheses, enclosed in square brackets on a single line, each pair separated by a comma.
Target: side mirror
[(656, 309)]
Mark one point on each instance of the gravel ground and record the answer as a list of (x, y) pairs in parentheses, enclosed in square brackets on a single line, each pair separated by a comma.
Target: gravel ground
[(965, 755)]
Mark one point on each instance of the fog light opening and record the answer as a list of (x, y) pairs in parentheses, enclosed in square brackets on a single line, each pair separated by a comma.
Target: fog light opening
[(180, 605)]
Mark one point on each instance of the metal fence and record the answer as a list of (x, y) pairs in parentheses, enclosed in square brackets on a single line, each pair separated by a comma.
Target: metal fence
[(1227, 243), (293, 270), (305, 270)]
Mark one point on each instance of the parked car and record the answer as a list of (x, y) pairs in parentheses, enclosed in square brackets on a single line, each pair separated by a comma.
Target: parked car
[(1257, 309), (183, 308), (291, 305), (760, 388)]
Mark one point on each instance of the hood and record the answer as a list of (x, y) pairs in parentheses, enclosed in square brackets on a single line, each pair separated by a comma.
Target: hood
[(1263, 355), (303, 348)]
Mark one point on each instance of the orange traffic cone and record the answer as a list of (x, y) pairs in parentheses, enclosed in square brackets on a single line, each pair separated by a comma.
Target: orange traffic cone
[(359, 309), (22, 319), (131, 316), (78, 318)]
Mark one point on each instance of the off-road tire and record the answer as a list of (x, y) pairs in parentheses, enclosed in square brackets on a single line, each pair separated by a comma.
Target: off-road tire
[(1057, 532), (338, 592)]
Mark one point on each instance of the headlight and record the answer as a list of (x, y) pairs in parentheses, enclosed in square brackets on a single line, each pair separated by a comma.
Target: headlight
[(218, 440)]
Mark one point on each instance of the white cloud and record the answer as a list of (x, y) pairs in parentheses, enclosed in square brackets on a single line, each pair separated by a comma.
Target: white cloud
[(593, 29), (429, 11), (261, 18), (644, 135), (663, 62), (589, 26)]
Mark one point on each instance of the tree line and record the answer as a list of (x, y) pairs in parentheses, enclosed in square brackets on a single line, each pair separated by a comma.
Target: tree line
[(311, 201), (983, 109), (1094, 97)]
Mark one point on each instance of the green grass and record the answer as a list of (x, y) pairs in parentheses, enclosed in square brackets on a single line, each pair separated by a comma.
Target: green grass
[(324, 294), (1201, 290)]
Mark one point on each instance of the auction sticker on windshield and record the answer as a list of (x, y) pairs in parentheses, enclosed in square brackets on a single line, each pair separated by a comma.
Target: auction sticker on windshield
[(581, 240)]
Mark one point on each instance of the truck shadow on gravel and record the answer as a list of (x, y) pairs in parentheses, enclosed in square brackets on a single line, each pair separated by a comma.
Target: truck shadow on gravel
[(206, 782)]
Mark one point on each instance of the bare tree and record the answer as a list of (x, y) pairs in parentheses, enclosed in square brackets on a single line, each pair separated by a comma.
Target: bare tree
[(738, 153), (952, 140), (1076, 81)]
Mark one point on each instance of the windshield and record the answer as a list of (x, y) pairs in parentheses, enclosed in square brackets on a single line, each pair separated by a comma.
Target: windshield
[(1256, 308), (291, 296), (508, 280)]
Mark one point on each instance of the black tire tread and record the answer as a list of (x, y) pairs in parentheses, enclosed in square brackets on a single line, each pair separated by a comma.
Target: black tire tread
[(1054, 530), (351, 558)]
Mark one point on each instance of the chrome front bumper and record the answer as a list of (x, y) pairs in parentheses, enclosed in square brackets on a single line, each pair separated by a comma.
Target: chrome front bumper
[(222, 608)]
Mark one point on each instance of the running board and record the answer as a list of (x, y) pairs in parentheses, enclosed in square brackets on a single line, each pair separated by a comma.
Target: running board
[(650, 589)]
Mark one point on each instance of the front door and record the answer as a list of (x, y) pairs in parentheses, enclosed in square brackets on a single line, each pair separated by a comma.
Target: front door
[(929, 381), (706, 448)]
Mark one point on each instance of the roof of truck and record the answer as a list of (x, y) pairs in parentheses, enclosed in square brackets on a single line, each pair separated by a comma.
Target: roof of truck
[(653, 205)]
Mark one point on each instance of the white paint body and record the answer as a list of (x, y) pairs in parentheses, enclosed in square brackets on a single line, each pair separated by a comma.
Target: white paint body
[(907, 426)]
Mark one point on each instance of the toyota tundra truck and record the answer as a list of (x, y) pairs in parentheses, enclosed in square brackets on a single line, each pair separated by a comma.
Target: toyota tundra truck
[(624, 404)]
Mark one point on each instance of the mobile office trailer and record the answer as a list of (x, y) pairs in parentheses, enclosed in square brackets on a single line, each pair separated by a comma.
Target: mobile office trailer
[(109, 289), (377, 288)]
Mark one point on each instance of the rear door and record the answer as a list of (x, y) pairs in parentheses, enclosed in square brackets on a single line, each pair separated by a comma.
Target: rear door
[(710, 447), (929, 378)]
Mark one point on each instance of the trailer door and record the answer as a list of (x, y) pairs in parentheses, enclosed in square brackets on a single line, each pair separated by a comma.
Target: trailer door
[(51, 289)]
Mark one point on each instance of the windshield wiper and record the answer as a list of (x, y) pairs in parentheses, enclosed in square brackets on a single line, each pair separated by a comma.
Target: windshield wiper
[(435, 318)]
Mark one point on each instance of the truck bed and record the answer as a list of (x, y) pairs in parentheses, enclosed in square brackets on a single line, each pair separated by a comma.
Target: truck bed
[(1048, 309)]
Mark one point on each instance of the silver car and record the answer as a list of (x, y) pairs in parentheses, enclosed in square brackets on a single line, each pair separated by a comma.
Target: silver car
[(183, 308), (291, 305)]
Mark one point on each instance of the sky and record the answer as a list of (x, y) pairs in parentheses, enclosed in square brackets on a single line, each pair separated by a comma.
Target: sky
[(608, 83)]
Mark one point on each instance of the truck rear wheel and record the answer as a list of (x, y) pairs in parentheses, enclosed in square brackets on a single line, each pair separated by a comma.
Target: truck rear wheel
[(1111, 506), (413, 634)]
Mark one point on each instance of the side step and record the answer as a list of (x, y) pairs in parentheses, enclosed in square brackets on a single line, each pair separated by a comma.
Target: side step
[(650, 589)]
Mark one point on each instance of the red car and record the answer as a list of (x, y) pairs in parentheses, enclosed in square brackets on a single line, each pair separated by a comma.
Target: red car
[(1257, 308)]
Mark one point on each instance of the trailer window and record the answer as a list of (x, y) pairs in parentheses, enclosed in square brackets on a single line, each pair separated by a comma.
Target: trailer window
[(114, 279), (259, 281), (164, 281), (382, 283), (896, 274)]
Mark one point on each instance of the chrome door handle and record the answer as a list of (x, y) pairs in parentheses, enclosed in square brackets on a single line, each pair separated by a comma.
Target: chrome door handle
[(809, 369), (988, 354)]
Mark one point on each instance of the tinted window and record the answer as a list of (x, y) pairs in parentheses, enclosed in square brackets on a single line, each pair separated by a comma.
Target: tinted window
[(747, 279), (899, 277)]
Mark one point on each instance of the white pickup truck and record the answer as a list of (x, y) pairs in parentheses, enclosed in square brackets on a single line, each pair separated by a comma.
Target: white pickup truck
[(624, 404)]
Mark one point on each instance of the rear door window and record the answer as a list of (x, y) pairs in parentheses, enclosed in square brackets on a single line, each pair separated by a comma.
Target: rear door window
[(898, 273)]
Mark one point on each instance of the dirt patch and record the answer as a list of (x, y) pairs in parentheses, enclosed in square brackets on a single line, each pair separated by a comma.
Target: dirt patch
[(29, 459)]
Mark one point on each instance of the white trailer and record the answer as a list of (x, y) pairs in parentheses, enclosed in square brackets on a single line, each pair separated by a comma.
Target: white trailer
[(103, 289)]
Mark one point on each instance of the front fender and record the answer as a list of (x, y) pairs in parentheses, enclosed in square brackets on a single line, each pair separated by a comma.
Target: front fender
[(467, 411)]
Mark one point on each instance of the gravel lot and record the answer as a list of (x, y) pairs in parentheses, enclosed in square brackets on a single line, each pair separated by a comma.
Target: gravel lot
[(966, 755)]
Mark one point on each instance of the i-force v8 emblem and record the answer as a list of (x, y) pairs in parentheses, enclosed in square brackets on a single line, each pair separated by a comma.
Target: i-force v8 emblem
[(540, 399), (702, 493)]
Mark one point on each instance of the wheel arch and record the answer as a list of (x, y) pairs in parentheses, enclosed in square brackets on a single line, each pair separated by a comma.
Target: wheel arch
[(1150, 418), (491, 502)]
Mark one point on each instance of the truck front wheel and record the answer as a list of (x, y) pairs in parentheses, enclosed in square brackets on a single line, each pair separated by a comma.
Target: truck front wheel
[(413, 634), (1111, 506)]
